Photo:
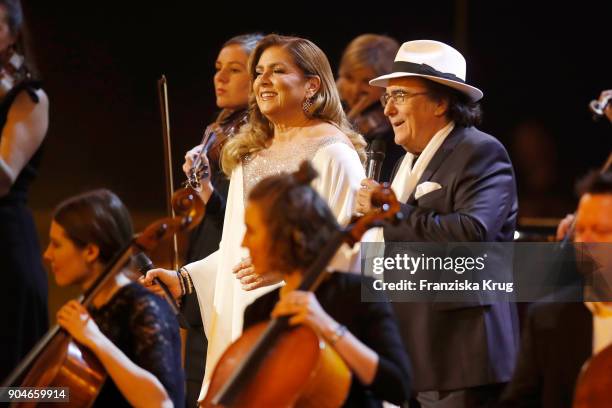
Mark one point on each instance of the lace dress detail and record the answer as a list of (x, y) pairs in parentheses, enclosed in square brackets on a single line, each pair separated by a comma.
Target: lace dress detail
[(142, 325), (284, 157)]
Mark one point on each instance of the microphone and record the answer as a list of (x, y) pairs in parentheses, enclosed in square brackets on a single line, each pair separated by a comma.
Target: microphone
[(375, 157), (143, 264)]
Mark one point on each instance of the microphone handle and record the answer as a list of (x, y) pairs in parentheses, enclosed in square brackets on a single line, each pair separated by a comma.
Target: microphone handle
[(144, 264), (374, 166)]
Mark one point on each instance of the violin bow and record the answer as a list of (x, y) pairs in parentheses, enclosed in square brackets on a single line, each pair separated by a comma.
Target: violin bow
[(162, 87)]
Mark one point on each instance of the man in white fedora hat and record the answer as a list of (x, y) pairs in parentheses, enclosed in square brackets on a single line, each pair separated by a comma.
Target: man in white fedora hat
[(456, 184)]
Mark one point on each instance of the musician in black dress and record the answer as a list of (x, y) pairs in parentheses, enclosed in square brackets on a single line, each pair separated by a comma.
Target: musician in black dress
[(24, 109), (132, 331), (287, 226)]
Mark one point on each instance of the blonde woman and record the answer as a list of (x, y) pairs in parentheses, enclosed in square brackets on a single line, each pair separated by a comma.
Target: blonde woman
[(232, 85), (295, 114)]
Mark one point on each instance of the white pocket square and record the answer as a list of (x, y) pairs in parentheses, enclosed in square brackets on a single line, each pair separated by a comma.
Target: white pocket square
[(426, 188)]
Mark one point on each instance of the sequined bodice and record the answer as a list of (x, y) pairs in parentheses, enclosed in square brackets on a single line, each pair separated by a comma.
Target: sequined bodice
[(281, 157)]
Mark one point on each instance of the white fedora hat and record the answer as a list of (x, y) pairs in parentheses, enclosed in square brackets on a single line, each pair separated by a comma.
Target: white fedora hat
[(433, 60)]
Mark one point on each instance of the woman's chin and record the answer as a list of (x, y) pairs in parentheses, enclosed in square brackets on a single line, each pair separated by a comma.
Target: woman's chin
[(267, 107), (267, 110), (63, 281), (226, 103)]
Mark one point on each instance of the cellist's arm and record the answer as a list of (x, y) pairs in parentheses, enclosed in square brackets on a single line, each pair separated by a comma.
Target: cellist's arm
[(377, 358), (139, 387), (361, 359), (305, 308)]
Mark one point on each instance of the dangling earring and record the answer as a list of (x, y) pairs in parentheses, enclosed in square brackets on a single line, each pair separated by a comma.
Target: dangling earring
[(306, 105)]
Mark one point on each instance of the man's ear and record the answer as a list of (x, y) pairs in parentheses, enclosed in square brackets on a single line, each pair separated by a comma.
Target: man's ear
[(441, 107), (313, 83)]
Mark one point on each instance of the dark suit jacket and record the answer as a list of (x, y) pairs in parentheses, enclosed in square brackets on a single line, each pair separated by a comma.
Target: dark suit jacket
[(556, 342), (460, 345)]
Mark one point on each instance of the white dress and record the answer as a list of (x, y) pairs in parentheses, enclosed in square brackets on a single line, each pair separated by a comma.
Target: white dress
[(221, 298)]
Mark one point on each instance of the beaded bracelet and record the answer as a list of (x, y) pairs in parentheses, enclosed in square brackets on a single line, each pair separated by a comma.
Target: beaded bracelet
[(339, 332), (186, 280), (180, 279), (191, 287)]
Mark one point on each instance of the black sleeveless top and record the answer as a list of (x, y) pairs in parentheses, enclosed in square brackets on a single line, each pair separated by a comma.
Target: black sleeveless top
[(19, 189), (23, 293)]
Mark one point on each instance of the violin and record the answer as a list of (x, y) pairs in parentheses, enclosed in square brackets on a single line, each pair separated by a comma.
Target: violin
[(57, 360), (368, 118), (253, 371), (372, 122), (13, 72), (215, 136)]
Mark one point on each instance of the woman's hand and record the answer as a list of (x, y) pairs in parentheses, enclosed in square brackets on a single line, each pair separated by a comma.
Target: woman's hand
[(206, 187), (190, 158), (170, 278), (75, 319), (364, 196), (304, 308), (250, 280), (607, 95)]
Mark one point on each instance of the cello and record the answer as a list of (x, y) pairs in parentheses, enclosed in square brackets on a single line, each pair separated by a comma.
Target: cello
[(57, 360), (253, 371)]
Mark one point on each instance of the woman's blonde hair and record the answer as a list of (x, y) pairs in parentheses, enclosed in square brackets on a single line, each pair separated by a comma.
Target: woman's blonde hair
[(373, 51), (325, 103)]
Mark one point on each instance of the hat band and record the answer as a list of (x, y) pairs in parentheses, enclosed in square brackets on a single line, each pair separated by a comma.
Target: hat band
[(423, 69)]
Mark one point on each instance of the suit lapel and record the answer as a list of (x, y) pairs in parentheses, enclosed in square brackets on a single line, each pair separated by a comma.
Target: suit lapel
[(583, 341), (397, 166), (439, 157)]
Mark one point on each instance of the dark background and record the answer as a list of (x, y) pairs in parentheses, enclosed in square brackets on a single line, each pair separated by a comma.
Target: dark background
[(100, 62)]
